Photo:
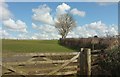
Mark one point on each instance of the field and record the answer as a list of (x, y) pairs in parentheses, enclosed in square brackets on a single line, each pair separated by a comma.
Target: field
[(12, 48), (33, 46), (24, 54)]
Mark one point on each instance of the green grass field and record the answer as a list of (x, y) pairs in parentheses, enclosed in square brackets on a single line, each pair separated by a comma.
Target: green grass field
[(33, 46)]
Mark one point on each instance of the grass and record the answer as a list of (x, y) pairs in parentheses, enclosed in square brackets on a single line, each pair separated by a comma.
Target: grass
[(33, 46), (13, 47)]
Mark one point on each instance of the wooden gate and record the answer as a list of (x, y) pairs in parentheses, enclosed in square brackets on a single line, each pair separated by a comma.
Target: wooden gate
[(43, 64), (74, 63)]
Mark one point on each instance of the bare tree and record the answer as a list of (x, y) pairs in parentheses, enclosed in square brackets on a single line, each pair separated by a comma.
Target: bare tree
[(65, 23)]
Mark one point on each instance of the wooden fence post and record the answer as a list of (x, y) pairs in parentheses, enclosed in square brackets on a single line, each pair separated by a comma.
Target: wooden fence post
[(85, 62)]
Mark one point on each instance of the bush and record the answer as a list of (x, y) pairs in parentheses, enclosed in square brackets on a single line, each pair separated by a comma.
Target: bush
[(111, 62), (77, 43)]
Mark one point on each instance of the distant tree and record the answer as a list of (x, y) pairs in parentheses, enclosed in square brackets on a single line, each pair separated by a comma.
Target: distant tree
[(65, 23), (95, 36)]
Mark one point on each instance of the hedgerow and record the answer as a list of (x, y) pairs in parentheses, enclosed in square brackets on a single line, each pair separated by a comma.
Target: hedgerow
[(111, 62)]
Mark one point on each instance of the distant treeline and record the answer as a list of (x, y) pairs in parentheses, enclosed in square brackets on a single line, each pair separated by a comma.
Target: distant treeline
[(93, 43)]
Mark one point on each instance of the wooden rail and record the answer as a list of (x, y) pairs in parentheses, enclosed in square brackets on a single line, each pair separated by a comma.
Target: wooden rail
[(47, 54), (63, 65), (79, 62), (55, 62)]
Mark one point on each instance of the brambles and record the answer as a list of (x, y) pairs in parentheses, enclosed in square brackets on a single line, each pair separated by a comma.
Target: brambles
[(100, 43), (111, 63)]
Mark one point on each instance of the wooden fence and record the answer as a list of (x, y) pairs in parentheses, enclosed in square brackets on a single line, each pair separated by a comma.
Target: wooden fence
[(74, 63)]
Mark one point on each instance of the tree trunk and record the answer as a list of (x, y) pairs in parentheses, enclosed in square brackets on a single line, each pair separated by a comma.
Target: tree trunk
[(64, 36)]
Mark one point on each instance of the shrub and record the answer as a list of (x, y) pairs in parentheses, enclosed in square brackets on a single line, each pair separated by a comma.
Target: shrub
[(77, 43), (111, 62)]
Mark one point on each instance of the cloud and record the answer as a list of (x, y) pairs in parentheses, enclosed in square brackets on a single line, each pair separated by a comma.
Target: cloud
[(6, 17), (5, 12), (2, 0), (88, 30), (45, 36), (15, 25), (44, 28), (80, 31), (3, 33), (63, 8), (42, 14), (45, 32), (101, 29), (96, 28), (75, 11), (49, 32), (23, 36), (9, 23), (34, 26), (113, 30)]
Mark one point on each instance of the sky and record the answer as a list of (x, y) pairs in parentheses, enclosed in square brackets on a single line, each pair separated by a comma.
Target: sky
[(35, 20), (61, 0)]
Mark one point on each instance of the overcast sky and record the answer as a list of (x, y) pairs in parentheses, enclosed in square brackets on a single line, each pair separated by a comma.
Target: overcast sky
[(35, 20)]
